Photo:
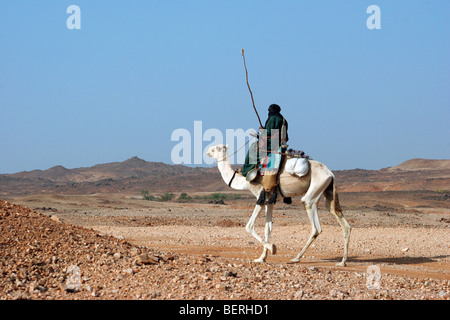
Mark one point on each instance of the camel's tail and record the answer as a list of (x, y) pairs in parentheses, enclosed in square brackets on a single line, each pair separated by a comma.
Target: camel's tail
[(332, 199)]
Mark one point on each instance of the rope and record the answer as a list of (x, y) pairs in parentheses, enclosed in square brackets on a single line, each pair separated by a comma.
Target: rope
[(228, 156)]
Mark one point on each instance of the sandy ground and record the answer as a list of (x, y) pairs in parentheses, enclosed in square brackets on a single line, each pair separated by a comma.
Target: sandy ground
[(408, 243), (414, 243)]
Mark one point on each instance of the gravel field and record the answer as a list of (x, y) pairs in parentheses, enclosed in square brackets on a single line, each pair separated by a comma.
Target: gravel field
[(132, 249)]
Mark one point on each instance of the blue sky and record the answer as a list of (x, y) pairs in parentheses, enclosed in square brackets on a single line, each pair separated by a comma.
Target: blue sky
[(138, 70)]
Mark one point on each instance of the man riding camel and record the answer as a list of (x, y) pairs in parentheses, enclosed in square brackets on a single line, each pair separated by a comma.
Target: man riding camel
[(272, 142), (273, 125)]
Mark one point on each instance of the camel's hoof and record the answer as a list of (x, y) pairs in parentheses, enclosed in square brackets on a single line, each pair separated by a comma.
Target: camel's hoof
[(259, 260), (295, 260), (271, 247), (341, 264)]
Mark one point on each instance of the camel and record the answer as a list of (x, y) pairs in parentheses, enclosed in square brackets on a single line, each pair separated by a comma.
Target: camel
[(319, 181)]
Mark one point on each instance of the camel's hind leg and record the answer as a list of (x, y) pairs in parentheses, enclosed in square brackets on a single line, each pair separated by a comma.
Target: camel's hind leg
[(332, 203), (346, 229), (311, 209), (310, 199)]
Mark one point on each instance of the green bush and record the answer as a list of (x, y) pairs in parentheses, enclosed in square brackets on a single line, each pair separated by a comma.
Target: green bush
[(147, 196), (184, 197), (167, 197), (219, 196)]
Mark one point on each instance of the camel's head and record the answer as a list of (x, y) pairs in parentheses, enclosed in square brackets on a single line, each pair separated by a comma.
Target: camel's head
[(219, 152)]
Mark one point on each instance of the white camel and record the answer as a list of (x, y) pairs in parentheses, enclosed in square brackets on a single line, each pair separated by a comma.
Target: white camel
[(319, 181)]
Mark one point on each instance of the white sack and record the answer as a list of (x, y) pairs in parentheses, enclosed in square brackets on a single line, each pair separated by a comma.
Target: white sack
[(297, 166)]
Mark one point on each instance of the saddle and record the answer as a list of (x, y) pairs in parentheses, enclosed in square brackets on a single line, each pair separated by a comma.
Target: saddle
[(295, 162), (270, 166)]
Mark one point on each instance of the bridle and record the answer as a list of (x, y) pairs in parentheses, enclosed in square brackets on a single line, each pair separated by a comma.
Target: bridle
[(228, 156)]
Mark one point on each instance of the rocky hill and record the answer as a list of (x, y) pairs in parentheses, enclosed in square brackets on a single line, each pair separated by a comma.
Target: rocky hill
[(411, 175), (128, 177), (421, 165), (135, 174)]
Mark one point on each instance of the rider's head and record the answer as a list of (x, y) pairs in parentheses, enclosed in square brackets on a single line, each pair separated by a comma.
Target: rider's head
[(274, 108)]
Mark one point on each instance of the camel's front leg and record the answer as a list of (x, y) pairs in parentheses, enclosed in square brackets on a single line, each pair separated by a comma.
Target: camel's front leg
[(250, 227), (268, 229)]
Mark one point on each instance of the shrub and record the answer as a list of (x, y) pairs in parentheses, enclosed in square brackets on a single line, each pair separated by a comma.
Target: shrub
[(219, 196), (147, 196), (184, 197), (167, 197)]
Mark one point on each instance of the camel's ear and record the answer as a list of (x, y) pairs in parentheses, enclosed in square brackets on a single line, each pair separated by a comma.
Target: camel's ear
[(227, 147)]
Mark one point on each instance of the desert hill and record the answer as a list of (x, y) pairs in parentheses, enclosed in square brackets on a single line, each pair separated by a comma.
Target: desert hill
[(131, 168), (135, 174), (128, 177), (421, 164), (411, 175)]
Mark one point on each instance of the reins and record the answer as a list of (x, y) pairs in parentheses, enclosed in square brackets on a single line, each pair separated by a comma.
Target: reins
[(228, 156)]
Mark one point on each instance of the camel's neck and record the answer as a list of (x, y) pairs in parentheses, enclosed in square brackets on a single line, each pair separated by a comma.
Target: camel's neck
[(239, 182)]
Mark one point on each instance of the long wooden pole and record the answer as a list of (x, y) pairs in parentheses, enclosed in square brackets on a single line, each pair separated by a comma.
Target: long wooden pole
[(248, 85)]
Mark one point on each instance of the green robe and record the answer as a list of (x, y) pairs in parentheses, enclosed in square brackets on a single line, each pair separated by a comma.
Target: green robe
[(253, 158)]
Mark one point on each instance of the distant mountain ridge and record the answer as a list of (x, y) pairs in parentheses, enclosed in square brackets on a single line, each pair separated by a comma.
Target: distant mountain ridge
[(132, 167), (421, 164), (129, 176), (135, 174)]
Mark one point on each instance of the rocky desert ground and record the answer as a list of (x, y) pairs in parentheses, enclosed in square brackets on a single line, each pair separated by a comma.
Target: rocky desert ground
[(118, 246), (128, 248)]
